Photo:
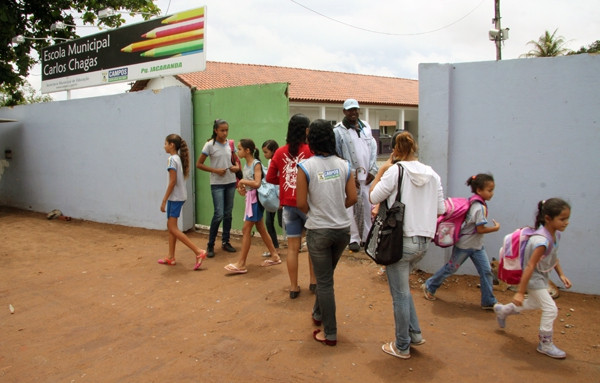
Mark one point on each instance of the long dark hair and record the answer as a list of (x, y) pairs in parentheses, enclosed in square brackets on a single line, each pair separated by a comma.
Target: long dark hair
[(184, 152), (296, 133)]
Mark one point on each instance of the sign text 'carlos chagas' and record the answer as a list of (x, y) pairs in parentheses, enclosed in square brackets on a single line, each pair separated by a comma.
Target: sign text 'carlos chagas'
[(164, 46)]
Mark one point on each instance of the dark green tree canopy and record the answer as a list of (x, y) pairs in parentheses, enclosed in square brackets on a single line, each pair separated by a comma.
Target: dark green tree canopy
[(33, 19), (592, 48)]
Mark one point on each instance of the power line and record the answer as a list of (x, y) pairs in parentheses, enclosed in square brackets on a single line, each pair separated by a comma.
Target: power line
[(388, 33)]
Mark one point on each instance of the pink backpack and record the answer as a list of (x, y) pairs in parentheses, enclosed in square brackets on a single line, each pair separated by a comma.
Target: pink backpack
[(512, 252), (447, 230)]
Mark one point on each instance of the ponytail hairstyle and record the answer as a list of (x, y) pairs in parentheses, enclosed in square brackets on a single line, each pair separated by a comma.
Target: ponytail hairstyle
[(321, 139), (296, 133), (551, 207), (479, 181), (218, 122), (247, 143), (404, 145), (184, 152)]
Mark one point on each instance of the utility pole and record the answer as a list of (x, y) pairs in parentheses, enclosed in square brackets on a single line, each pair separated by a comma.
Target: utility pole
[(498, 28), (497, 35)]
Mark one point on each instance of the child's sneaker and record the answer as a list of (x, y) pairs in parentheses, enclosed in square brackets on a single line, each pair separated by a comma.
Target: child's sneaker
[(502, 311), (429, 296)]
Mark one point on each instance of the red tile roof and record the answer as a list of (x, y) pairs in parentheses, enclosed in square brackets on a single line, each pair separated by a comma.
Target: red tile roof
[(308, 85)]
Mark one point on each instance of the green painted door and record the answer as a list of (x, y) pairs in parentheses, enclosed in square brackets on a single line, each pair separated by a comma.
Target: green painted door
[(259, 112)]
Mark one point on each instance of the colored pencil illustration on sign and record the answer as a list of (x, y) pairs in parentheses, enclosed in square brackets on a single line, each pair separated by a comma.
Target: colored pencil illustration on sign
[(172, 29), (169, 50), (184, 16), (162, 46), (166, 40), (182, 34)]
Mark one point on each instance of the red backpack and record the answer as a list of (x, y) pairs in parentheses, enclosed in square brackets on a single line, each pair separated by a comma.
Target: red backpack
[(447, 230)]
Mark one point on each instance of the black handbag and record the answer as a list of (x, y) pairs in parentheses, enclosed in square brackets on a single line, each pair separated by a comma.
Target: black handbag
[(385, 239)]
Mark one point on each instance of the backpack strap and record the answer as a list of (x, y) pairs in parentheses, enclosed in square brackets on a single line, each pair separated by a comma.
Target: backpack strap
[(400, 175), (477, 198), (545, 233)]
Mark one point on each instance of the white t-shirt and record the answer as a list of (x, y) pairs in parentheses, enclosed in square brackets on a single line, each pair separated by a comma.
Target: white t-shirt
[(220, 158), (179, 192)]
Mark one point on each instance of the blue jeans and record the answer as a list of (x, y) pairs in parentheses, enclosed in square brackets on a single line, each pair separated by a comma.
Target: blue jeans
[(222, 196), (398, 273), (325, 247), (458, 257)]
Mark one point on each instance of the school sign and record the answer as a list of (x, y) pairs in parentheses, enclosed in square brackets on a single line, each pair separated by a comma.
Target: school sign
[(164, 46)]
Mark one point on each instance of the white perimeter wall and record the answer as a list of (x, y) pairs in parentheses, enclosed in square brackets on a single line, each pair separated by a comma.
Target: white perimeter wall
[(100, 159), (535, 125)]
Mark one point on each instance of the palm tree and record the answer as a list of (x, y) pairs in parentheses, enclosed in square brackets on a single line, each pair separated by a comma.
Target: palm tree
[(548, 45)]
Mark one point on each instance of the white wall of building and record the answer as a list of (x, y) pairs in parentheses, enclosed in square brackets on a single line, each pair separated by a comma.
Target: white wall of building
[(535, 125), (100, 159)]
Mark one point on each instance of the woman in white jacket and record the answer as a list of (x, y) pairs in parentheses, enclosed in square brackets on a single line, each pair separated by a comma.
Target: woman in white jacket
[(423, 196)]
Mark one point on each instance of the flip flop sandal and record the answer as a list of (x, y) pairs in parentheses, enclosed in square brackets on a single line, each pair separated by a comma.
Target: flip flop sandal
[(233, 269), (389, 348), (167, 261), (271, 262), (199, 259)]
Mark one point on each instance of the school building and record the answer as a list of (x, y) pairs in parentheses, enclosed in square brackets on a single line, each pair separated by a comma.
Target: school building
[(532, 123), (387, 103)]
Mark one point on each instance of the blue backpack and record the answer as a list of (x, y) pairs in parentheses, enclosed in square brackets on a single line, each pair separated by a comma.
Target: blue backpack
[(268, 194)]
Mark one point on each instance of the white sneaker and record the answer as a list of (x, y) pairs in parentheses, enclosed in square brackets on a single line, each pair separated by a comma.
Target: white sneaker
[(266, 254)]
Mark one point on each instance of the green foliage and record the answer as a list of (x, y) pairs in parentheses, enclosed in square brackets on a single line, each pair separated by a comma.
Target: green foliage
[(592, 48), (33, 18), (29, 96), (548, 45)]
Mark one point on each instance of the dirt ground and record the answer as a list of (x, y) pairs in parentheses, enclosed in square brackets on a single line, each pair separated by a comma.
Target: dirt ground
[(92, 305)]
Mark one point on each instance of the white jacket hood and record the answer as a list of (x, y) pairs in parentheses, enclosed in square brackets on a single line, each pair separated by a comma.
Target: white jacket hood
[(418, 173)]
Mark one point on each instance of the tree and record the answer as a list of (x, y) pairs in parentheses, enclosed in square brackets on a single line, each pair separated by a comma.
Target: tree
[(30, 96), (548, 45), (592, 48), (32, 19)]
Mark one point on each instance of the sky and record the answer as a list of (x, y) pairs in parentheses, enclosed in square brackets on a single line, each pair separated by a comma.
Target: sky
[(374, 37)]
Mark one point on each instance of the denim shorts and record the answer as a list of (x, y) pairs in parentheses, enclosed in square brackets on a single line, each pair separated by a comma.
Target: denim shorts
[(257, 213), (293, 221), (174, 208)]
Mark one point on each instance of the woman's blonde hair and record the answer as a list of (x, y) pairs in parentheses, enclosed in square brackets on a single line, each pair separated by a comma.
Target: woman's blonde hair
[(404, 145)]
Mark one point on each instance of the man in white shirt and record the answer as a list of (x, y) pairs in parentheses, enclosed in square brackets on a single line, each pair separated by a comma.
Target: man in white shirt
[(354, 142)]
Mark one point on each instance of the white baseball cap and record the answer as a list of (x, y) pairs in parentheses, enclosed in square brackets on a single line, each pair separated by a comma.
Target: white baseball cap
[(350, 103)]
